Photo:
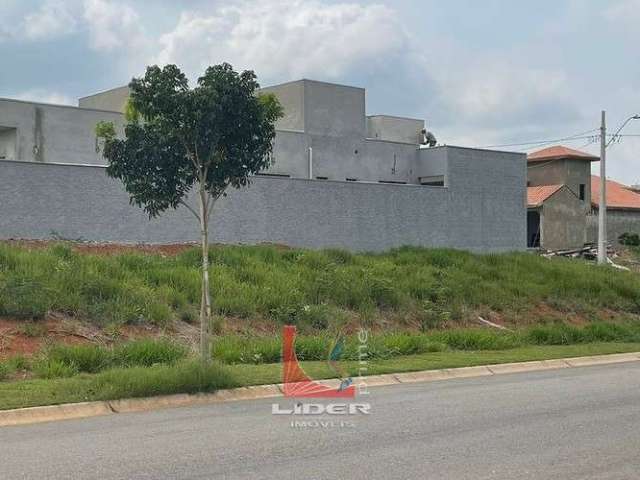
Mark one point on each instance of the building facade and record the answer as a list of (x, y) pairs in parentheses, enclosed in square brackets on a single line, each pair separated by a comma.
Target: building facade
[(563, 200), (338, 178)]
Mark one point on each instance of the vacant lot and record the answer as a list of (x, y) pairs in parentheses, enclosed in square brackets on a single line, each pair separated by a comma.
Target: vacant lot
[(260, 288)]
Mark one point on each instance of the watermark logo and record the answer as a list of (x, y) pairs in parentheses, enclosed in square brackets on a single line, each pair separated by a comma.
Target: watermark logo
[(298, 384), (338, 412)]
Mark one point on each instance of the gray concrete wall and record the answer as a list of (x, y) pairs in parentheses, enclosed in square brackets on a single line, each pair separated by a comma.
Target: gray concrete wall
[(113, 100), (291, 97), (618, 222), (8, 143), (478, 213), (395, 129), (55, 133), (563, 221), (334, 110)]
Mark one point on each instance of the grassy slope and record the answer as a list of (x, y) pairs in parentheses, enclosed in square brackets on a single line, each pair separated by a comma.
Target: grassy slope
[(311, 288), (188, 377)]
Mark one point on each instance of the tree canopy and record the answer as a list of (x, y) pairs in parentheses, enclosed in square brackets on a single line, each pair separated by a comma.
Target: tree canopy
[(218, 133)]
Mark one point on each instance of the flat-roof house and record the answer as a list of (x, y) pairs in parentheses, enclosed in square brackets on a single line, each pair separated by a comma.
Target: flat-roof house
[(338, 178)]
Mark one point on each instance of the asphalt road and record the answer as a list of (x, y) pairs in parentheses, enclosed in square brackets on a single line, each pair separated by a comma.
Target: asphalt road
[(581, 423)]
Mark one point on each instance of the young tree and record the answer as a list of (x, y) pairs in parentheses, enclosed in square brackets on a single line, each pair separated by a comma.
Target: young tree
[(182, 142)]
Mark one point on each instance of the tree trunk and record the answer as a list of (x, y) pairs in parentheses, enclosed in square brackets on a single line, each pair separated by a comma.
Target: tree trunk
[(205, 307)]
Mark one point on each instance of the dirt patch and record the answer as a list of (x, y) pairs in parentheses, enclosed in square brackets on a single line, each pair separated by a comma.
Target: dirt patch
[(20, 337), (105, 248), (91, 248)]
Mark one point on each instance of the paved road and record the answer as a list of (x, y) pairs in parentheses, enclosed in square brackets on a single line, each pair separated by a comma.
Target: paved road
[(579, 423)]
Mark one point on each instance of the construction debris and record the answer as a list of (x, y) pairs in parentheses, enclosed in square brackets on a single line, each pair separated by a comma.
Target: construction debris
[(588, 252), (493, 325)]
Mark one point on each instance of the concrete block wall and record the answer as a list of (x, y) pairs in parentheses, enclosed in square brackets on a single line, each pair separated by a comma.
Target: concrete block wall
[(618, 222), (75, 201)]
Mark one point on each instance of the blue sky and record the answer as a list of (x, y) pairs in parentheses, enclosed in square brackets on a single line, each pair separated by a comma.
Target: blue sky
[(480, 72)]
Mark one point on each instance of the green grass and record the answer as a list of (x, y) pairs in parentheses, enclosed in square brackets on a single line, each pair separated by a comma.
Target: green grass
[(313, 289), (69, 360), (251, 349), (190, 377)]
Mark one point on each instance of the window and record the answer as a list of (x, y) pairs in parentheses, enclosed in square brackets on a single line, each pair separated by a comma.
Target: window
[(582, 191), (281, 175)]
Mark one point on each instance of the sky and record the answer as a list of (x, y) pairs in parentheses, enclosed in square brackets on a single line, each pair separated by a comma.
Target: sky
[(481, 73)]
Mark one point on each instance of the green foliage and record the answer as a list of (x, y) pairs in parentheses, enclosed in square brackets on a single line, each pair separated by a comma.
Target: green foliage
[(185, 377), (5, 371), (629, 239), (148, 352), (82, 358), (67, 360), (54, 369), (105, 130), (32, 329), (312, 289), (216, 134)]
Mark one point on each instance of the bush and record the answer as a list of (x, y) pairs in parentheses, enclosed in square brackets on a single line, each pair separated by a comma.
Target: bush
[(148, 352), (5, 371), (629, 239), (81, 358), (54, 369)]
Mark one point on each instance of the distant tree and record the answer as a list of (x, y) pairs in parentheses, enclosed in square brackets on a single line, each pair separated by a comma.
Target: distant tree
[(182, 141)]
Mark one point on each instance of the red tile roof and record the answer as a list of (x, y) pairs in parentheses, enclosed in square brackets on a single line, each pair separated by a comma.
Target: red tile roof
[(537, 195), (559, 152), (618, 195)]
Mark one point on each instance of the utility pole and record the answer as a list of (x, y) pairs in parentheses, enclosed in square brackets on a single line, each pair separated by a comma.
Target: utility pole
[(602, 209)]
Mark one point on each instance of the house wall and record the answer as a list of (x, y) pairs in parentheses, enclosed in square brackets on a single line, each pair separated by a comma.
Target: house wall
[(395, 129), (479, 212), (112, 100), (54, 133), (569, 172), (618, 222), (563, 222)]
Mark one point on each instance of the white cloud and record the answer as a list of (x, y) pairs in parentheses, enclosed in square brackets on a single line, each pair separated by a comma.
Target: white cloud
[(113, 25), (44, 96), (501, 88), (624, 11), (286, 39), (53, 19)]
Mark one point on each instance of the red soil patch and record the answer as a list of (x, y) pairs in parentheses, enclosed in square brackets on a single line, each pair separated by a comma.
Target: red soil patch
[(91, 248), (21, 337)]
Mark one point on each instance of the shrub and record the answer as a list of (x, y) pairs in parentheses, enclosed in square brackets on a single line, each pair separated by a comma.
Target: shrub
[(81, 358), (54, 369), (5, 371), (629, 239), (559, 334), (32, 329)]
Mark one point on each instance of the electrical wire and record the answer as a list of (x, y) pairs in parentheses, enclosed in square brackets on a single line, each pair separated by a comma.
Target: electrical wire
[(577, 136)]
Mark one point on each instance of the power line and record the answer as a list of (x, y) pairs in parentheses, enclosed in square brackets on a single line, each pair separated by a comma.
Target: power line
[(577, 136)]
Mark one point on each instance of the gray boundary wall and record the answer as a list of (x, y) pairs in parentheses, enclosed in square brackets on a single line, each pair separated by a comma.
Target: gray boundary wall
[(618, 222), (476, 212)]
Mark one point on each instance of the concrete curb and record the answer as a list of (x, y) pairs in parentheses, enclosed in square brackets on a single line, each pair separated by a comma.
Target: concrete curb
[(25, 416)]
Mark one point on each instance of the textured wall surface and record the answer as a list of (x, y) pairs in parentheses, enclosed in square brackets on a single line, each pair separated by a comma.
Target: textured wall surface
[(618, 222), (55, 133), (477, 213), (563, 222)]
